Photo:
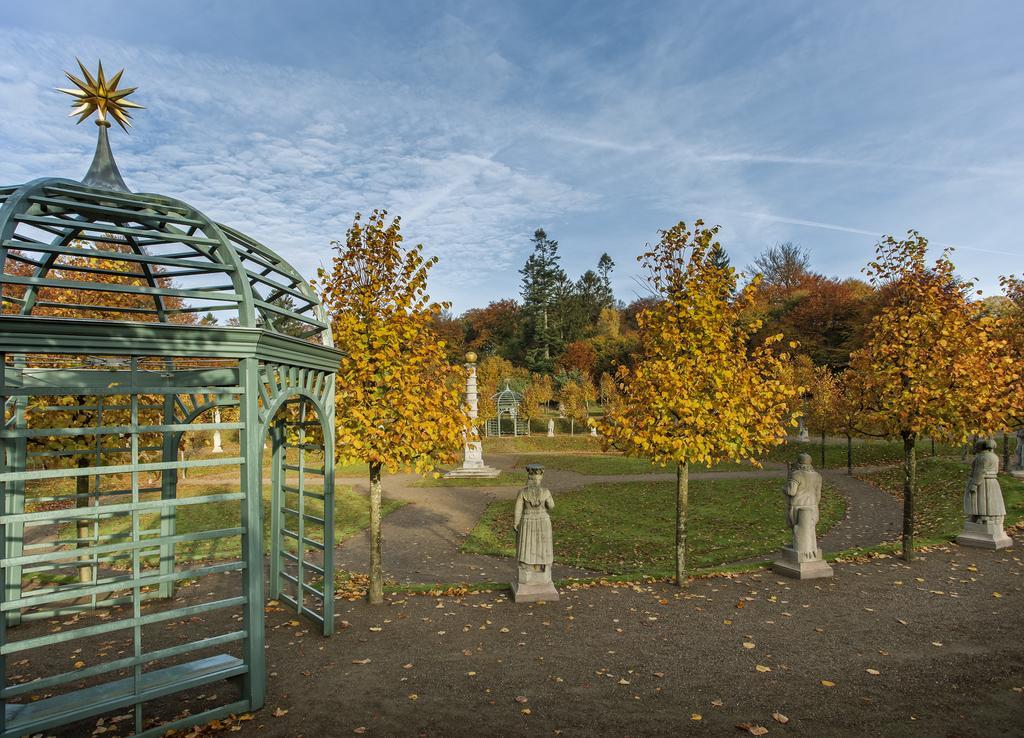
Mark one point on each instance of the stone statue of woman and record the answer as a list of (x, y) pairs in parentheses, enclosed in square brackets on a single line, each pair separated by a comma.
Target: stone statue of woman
[(984, 510), (534, 551), (802, 559)]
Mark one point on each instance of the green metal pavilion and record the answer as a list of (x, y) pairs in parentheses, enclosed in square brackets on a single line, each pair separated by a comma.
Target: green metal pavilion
[(104, 369)]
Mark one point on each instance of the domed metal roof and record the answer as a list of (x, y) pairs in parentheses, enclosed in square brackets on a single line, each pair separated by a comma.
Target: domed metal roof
[(92, 249)]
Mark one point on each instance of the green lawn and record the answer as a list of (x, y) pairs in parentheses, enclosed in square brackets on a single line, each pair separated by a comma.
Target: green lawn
[(583, 455), (939, 497), (619, 528)]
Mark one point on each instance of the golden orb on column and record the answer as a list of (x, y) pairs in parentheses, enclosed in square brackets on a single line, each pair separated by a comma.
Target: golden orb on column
[(470, 357)]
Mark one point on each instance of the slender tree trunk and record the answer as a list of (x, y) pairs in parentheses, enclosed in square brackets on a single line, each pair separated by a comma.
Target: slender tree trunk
[(83, 525), (682, 509), (932, 439), (823, 449), (572, 427), (376, 593), (1006, 451), (909, 484), (849, 455)]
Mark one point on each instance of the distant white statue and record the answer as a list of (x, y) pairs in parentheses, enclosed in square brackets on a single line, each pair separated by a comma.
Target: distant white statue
[(593, 431), (551, 428), (217, 448)]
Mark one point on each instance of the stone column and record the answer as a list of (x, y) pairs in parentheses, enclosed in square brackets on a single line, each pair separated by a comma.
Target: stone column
[(473, 450)]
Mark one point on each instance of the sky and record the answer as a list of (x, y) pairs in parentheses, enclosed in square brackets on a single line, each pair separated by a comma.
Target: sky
[(826, 124)]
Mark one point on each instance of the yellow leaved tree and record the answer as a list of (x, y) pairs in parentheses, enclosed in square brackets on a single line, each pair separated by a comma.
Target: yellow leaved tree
[(932, 362), (699, 392), (396, 406)]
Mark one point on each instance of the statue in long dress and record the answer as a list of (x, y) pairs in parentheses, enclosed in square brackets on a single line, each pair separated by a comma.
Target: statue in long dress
[(1019, 451), (534, 550), (984, 510), (802, 558)]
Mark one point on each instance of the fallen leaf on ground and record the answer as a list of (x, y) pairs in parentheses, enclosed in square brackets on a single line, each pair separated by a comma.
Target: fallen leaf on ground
[(873, 672), (522, 700), (762, 668), (696, 716), (827, 683), (414, 696), (360, 661), (748, 644), (780, 718), (360, 730), (279, 712)]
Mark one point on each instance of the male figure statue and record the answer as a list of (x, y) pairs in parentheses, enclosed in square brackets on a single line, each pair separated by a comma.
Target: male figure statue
[(802, 558), (534, 550), (984, 510)]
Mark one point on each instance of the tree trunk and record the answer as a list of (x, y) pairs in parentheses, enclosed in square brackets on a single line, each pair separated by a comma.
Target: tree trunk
[(909, 484), (822, 449), (572, 427), (932, 439), (376, 593), (682, 508), (1006, 451), (83, 525), (849, 455)]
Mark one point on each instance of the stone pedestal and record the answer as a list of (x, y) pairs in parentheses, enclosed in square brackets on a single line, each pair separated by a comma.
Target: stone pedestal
[(984, 535), (473, 464), (1017, 474), (807, 565), (533, 586)]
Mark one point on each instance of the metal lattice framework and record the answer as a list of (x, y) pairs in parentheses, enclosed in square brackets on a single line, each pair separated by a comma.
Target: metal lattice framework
[(104, 370), (508, 403)]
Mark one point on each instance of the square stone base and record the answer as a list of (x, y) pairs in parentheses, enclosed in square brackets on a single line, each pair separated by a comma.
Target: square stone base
[(980, 535), (1017, 474), (802, 569), (534, 592)]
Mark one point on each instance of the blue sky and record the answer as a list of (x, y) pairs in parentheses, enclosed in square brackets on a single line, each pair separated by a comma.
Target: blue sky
[(821, 123)]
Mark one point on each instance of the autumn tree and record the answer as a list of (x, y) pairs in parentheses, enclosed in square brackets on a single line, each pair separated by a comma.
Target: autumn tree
[(538, 394), (932, 361), (395, 408), (495, 328), (698, 392), (579, 356), (575, 398), (821, 406)]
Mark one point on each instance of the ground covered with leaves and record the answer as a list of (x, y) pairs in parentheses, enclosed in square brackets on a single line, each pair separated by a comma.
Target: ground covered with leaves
[(883, 648), (628, 527)]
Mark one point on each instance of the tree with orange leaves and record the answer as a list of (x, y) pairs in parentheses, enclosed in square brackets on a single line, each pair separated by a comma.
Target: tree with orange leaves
[(395, 407), (932, 361)]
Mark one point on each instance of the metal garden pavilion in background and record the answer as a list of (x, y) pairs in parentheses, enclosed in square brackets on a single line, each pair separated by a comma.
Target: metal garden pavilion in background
[(104, 367)]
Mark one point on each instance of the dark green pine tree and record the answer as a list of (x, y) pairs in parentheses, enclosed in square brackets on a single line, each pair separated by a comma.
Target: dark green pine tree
[(604, 269), (719, 257), (544, 283)]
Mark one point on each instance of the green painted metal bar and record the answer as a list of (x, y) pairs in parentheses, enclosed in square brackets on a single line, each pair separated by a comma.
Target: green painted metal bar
[(276, 476), (115, 430), (168, 492), (251, 440), (120, 469), (204, 294), (51, 639), (25, 244), (105, 228)]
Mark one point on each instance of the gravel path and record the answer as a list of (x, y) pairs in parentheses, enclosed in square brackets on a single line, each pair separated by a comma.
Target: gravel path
[(883, 648)]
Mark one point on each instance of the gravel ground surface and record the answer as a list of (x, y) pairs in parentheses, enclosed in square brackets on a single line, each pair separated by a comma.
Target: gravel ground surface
[(930, 649)]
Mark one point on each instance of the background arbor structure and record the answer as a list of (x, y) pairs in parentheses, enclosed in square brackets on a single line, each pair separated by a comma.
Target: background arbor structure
[(97, 394)]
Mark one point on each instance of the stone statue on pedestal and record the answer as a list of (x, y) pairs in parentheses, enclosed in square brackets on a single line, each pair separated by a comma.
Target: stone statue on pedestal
[(802, 558), (551, 428), (593, 431), (534, 553), (1019, 453), (473, 465), (984, 510)]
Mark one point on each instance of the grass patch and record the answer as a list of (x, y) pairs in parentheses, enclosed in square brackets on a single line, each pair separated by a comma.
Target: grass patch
[(540, 442), (505, 479), (622, 528), (940, 492)]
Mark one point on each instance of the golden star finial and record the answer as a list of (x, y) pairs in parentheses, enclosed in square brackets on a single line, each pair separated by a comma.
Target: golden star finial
[(101, 96)]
